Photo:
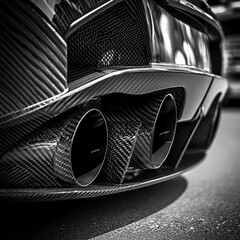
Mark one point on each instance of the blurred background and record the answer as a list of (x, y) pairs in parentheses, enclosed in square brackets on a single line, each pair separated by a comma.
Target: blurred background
[(228, 14)]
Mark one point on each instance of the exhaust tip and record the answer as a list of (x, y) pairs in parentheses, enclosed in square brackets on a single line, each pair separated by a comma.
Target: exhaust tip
[(89, 146), (164, 130)]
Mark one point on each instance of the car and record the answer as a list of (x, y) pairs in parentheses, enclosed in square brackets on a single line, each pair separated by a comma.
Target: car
[(105, 96), (228, 14)]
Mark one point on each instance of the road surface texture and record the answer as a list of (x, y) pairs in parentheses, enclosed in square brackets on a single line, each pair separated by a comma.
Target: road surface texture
[(204, 203)]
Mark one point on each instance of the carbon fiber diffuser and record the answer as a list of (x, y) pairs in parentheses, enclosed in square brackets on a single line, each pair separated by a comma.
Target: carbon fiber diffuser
[(71, 148)]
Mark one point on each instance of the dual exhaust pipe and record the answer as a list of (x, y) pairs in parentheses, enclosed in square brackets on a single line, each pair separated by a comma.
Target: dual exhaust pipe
[(89, 144)]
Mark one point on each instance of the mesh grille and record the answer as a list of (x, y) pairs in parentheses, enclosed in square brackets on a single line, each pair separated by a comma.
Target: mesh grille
[(113, 38), (67, 11)]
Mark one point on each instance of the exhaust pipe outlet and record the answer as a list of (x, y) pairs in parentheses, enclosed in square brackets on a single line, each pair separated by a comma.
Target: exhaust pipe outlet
[(81, 149), (68, 150), (156, 134), (141, 132)]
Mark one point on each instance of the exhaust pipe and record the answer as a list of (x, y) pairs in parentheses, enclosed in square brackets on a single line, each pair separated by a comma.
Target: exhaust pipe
[(71, 147), (75, 146), (145, 128), (156, 134), (81, 149)]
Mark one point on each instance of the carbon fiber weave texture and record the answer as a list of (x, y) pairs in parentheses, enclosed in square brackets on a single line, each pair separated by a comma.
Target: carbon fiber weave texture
[(113, 38), (122, 140), (124, 123), (23, 126), (131, 127), (54, 194), (183, 134), (206, 130), (33, 59), (146, 112), (42, 157)]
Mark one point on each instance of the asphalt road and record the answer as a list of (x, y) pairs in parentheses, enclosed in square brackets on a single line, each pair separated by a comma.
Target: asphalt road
[(204, 203)]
